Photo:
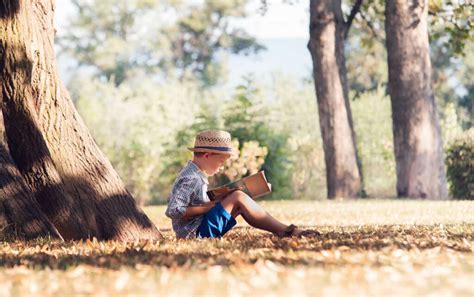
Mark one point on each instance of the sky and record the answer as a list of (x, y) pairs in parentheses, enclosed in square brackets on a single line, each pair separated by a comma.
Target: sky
[(283, 19), (282, 29)]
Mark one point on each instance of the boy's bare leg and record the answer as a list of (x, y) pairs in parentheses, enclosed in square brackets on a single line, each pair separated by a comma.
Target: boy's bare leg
[(239, 203)]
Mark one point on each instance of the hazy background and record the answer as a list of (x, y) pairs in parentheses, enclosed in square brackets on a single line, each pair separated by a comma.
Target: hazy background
[(143, 100)]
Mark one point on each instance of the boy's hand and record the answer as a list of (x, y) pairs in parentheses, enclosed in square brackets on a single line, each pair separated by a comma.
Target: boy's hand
[(197, 210), (211, 203)]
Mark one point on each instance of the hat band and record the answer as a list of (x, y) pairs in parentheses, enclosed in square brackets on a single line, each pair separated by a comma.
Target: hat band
[(217, 148)]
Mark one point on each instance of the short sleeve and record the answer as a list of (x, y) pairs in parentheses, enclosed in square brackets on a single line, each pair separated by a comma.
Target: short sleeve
[(181, 197)]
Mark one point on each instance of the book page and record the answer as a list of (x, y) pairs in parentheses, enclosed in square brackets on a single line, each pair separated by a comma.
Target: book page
[(254, 185)]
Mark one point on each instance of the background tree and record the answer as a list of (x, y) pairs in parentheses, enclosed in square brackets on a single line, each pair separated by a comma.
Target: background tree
[(416, 128), (61, 166), (450, 48), (451, 45), (202, 32), (327, 33), (120, 39), (142, 122), (451, 58)]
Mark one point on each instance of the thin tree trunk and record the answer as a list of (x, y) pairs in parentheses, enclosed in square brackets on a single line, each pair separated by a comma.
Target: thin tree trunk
[(71, 179), (416, 129), (326, 44)]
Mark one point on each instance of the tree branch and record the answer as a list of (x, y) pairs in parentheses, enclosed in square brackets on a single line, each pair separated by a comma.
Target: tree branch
[(372, 29), (355, 9)]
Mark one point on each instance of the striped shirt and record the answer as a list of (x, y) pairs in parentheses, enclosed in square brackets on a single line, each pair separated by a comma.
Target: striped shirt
[(189, 189)]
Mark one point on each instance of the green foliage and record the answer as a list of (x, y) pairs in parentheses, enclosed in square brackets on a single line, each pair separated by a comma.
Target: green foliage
[(145, 128), (118, 39), (463, 77), (283, 121), (132, 124), (367, 69), (450, 124), (294, 112), (244, 118), (365, 48), (202, 31), (451, 48), (453, 82), (373, 126), (144, 125), (460, 166), (452, 23), (106, 37)]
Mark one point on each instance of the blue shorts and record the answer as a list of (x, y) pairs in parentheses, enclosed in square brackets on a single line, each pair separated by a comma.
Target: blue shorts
[(215, 223)]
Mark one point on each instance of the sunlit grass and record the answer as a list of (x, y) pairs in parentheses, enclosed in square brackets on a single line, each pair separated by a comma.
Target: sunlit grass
[(355, 212), (368, 247)]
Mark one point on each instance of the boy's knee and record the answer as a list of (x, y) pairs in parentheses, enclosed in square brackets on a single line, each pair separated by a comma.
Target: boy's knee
[(242, 194), (238, 195)]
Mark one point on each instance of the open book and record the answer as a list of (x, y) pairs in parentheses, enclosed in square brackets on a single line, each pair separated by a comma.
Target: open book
[(255, 185)]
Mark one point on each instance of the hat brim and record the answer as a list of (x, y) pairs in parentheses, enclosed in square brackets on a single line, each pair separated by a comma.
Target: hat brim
[(206, 150)]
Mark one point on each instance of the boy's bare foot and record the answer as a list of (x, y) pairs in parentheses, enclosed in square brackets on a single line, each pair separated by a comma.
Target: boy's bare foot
[(306, 233), (293, 230)]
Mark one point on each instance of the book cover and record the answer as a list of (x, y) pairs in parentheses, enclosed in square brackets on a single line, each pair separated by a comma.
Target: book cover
[(254, 185)]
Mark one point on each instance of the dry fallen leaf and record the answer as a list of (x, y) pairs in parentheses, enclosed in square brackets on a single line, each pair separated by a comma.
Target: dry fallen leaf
[(364, 259)]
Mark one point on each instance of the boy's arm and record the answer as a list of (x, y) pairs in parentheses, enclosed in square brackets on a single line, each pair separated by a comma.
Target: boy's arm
[(178, 206), (192, 211), (180, 197)]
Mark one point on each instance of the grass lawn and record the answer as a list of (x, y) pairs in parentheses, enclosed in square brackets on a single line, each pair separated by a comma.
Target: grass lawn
[(367, 247)]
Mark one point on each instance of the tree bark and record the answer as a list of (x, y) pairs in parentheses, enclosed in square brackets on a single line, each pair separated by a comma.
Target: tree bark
[(20, 213), (416, 129), (326, 44), (70, 178)]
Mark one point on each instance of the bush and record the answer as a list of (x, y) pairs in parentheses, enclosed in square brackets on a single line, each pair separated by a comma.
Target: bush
[(245, 117), (261, 148), (293, 113), (460, 164), (373, 127)]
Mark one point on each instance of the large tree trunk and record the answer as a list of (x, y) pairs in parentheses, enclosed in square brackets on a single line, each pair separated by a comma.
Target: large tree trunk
[(20, 213), (416, 129), (73, 182), (326, 44)]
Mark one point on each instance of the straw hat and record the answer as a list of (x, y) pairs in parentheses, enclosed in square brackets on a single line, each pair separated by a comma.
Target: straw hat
[(213, 141)]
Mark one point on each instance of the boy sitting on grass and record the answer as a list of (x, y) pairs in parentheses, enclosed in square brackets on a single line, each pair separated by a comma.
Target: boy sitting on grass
[(194, 215)]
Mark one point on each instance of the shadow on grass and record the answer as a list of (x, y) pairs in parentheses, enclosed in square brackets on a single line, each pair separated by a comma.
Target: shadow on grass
[(242, 246)]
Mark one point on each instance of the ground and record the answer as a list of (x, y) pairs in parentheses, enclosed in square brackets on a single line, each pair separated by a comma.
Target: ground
[(367, 247)]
